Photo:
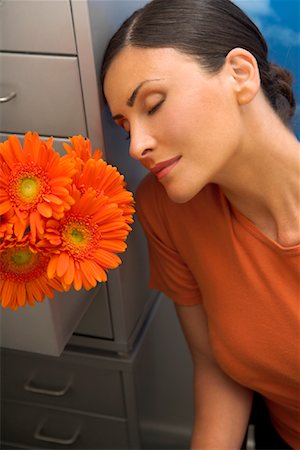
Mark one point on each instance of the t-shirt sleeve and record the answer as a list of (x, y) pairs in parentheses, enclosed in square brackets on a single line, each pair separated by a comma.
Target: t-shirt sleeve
[(168, 272)]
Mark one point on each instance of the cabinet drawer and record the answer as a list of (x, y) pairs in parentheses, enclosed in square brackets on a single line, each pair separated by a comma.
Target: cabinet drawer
[(40, 427), (97, 320), (41, 26), (72, 382), (48, 95)]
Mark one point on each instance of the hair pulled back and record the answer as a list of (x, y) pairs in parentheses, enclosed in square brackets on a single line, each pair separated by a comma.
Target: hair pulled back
[(206, 30)]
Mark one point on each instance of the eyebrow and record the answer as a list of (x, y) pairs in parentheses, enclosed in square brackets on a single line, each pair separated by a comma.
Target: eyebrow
[(131, 100)]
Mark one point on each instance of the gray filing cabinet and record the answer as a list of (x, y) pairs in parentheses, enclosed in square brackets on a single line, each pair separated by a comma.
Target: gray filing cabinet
[(50, 55), (84, 399)]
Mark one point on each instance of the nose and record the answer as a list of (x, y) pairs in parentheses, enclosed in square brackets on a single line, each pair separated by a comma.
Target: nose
[(141, 143)]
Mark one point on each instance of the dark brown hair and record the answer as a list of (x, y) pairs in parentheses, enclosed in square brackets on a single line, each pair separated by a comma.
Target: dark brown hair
[(207, 30)]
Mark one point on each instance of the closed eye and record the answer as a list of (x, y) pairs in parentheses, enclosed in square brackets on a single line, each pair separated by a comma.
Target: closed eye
[(156, 107)]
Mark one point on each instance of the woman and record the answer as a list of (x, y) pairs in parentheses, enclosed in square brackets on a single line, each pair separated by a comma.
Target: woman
[(209, 116)]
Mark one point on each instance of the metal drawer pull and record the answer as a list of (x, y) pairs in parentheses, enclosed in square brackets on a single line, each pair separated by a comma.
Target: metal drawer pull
[(28, 386), (8, 97), (40, 436)]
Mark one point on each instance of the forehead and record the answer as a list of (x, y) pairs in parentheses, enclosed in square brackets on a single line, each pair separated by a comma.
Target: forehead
[(133, 65)]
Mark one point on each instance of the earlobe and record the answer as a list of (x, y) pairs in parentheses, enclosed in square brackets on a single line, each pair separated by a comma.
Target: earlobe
[(245, 73)]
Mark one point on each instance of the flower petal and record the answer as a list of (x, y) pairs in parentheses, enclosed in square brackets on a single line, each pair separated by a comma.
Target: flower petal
[(70, 273), (5, 207), (44, 209), (62, 264), (52, 266)]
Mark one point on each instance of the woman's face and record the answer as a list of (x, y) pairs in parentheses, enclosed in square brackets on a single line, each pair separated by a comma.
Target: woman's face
[(184, 123)]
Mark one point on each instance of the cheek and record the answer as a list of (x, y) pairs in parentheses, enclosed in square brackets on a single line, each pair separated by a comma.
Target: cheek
[(202, 121), (215, 122), (170, 122), (176, 125), (190, 115)]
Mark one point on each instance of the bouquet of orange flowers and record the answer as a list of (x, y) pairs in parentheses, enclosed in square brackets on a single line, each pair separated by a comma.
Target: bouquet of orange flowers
[(64, 219)]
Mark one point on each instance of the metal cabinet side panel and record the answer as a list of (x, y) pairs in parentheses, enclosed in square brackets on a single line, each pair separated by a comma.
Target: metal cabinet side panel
[(94, 23)]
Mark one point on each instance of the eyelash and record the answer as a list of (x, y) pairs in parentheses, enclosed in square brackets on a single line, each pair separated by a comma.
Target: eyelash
[(150, 113), (156, 107)]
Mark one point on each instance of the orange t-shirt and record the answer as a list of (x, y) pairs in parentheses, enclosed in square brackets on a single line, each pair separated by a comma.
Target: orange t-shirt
[(205, 251)]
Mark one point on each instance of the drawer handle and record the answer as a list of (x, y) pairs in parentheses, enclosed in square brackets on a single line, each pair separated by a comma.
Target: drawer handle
[(9, 97), (40, 436), (29, 386)]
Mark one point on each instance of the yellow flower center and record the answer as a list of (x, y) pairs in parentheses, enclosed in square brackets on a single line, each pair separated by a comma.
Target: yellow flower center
[(27, 185), (21, 264), (21, 257), (76, 236), (29, 188)]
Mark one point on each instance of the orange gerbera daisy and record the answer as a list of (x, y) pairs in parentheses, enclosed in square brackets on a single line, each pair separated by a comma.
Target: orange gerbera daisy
[(96, 173), (23, 276), (80, 151), (106, 180), (82, 148), (87, 239), (34, 183)]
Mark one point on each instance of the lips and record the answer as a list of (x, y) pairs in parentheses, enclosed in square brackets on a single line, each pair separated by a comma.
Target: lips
[(163, 168)]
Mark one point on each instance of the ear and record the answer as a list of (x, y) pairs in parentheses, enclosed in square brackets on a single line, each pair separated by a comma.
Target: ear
[(245, 73)]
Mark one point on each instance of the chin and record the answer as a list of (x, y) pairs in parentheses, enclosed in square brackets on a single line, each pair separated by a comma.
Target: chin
[(180, 196)]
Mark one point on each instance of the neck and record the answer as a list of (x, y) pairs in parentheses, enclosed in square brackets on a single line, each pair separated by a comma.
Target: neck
[(263, 180)]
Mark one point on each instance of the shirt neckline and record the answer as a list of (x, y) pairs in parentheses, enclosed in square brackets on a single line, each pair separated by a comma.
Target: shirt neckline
[(256, 232)]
